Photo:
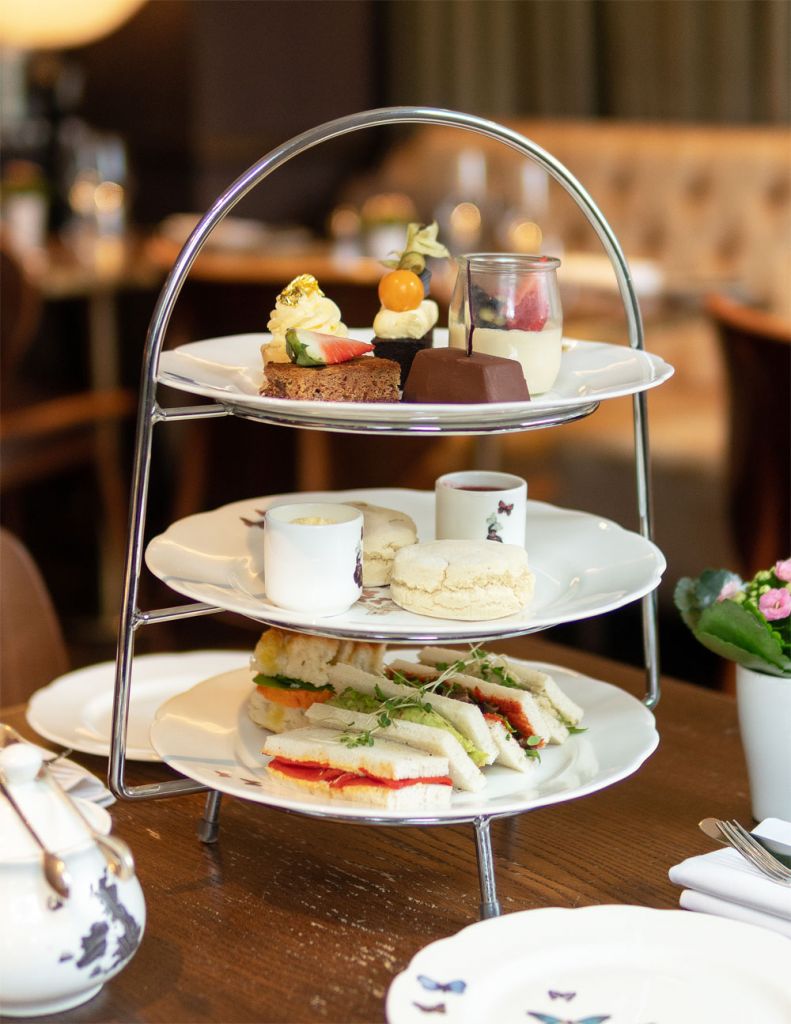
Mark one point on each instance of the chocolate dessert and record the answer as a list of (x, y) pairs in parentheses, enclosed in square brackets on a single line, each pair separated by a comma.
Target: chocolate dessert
[(449, 375)]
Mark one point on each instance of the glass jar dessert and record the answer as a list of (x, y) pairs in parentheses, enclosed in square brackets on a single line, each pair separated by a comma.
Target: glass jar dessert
[(508, 305)]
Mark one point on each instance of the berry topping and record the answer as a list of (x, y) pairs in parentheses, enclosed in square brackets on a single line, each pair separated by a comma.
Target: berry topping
[(309, 348), (531, 308), (401, 290)]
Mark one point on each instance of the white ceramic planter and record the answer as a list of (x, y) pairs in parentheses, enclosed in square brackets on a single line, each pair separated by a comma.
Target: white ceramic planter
[(764, 704)]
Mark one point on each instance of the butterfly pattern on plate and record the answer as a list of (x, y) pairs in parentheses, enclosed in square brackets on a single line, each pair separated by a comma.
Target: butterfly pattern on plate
[(549, 1018), (457, 987)]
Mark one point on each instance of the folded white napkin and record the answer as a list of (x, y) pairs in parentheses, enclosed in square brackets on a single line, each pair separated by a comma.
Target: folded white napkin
[(78, 781), (724, 883)]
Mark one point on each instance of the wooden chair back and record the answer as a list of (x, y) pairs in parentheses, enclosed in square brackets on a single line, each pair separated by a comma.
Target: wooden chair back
[(32, 648), (756, 347)]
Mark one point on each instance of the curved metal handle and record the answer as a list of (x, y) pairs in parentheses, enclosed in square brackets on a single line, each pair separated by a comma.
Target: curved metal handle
[(376, 118)]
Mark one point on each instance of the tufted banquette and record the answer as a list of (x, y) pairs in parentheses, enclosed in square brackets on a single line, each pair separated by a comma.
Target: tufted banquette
[(710, 204)]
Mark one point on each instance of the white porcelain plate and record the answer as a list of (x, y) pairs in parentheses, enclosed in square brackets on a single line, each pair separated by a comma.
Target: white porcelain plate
[(584, 565), (229, 370), (207, 735), (76, 709), (620, 964)]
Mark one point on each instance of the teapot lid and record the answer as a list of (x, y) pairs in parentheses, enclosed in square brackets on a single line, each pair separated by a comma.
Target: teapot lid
[(27, 791)]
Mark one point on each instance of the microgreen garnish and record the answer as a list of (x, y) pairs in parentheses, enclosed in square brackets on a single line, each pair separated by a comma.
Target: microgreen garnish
[(357, 739)]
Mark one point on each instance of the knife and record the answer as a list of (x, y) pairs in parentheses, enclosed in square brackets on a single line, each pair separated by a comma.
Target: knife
[(780, 851)]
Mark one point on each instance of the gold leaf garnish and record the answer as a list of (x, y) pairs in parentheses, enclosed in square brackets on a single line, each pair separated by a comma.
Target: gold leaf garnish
[(300, 288)]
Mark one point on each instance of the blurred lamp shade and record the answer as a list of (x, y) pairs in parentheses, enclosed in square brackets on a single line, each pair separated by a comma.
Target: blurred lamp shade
[(57, 24)]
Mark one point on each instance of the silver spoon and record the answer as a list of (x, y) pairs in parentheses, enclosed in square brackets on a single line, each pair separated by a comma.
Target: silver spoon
[(115, 851), (54, 869)]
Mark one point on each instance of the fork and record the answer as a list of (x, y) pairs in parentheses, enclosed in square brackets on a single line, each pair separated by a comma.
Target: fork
[(760, 858)]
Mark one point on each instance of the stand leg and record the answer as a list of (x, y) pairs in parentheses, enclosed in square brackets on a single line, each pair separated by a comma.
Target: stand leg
[(209, 825), (490, 905)]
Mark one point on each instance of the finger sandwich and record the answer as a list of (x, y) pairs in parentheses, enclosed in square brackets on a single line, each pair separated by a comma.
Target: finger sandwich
[(383, 774), (560, 711)]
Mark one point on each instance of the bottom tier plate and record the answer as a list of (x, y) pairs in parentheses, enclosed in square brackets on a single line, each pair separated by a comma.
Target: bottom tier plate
[(205, 734)]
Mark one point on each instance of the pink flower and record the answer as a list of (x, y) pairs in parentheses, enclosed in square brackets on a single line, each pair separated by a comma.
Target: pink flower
[(783, 570), (775, 604), (729, 589)]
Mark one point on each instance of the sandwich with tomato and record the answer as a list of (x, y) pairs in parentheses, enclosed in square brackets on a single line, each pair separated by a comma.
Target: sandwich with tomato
[(368, 707), (517, 725), (381, 774), (291, 672), (562, 715)]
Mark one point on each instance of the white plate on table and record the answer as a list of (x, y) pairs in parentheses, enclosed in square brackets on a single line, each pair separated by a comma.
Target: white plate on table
[(229, 370), (620, 964), (584, 565), (76, 709), (207, 735)]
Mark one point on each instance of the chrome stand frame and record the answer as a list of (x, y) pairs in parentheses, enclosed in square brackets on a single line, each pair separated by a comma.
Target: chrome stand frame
[(151, 413)]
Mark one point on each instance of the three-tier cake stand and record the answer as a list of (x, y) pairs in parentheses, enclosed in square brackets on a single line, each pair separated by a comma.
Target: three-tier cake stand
[(449, 420)]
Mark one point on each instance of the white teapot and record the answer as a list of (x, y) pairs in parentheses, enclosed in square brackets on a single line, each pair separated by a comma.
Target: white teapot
[(73, 912)]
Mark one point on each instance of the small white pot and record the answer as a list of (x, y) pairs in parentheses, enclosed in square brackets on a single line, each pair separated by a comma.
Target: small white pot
[(764, 704)]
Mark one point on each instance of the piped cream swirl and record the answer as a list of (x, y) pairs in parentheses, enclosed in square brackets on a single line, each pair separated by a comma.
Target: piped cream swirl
[(413, 323)]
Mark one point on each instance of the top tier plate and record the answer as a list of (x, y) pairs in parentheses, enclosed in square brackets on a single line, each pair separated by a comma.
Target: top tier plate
[(228, 370)]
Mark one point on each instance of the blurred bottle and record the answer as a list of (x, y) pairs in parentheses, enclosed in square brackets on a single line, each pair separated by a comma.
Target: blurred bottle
[(96, 176), (461, 214), (25, 207), (344, 229), (526, 227), (384, 220)]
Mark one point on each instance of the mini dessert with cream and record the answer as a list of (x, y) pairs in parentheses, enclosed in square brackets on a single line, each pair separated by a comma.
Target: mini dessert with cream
[(328, 368), (405, 322), (301, 304), (516, 314)]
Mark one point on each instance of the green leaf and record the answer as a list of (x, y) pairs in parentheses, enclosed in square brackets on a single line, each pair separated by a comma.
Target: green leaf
[(362, 739), (284, 683), (728, 629), (298, 352)]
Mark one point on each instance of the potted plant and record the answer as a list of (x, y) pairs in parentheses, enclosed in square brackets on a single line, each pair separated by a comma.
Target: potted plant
[(750, 623)]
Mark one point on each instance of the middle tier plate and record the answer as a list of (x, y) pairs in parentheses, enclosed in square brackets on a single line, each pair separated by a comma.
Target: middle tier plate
[(584, 565)]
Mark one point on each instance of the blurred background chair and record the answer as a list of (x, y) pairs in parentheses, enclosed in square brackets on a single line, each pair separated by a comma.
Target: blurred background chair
[(32, 648), (756, 348), (47, 432)]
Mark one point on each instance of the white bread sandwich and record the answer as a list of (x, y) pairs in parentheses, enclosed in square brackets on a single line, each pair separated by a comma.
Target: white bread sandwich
[(466, 719), (290, 671), (408, 720), (517, 725), (383, 775), (562, 714)]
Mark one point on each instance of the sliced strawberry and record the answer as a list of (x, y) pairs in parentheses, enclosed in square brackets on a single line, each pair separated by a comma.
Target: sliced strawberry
[(531, 309), (309, 348)]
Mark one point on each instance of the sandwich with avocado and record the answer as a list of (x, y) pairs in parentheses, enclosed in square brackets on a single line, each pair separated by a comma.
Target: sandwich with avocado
[(367, 707), (517, 725), (563, 717)]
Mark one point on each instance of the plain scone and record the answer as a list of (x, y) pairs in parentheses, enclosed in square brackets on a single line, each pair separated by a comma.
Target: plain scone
[(462, 579), (385, 532)]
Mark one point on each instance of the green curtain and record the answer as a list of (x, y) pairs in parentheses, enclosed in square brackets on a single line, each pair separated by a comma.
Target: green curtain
[(697, 60)]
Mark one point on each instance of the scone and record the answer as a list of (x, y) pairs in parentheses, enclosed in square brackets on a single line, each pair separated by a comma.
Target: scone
[(462, 579), (385, 531)]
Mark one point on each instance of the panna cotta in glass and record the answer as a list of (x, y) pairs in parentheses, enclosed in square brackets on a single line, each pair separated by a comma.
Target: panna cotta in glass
[(510, 305)]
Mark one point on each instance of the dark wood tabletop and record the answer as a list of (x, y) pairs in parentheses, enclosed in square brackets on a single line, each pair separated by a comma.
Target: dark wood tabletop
[(293, 919)]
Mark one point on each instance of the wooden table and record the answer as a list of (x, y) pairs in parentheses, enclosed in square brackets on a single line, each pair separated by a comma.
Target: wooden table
[(290, 919)]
